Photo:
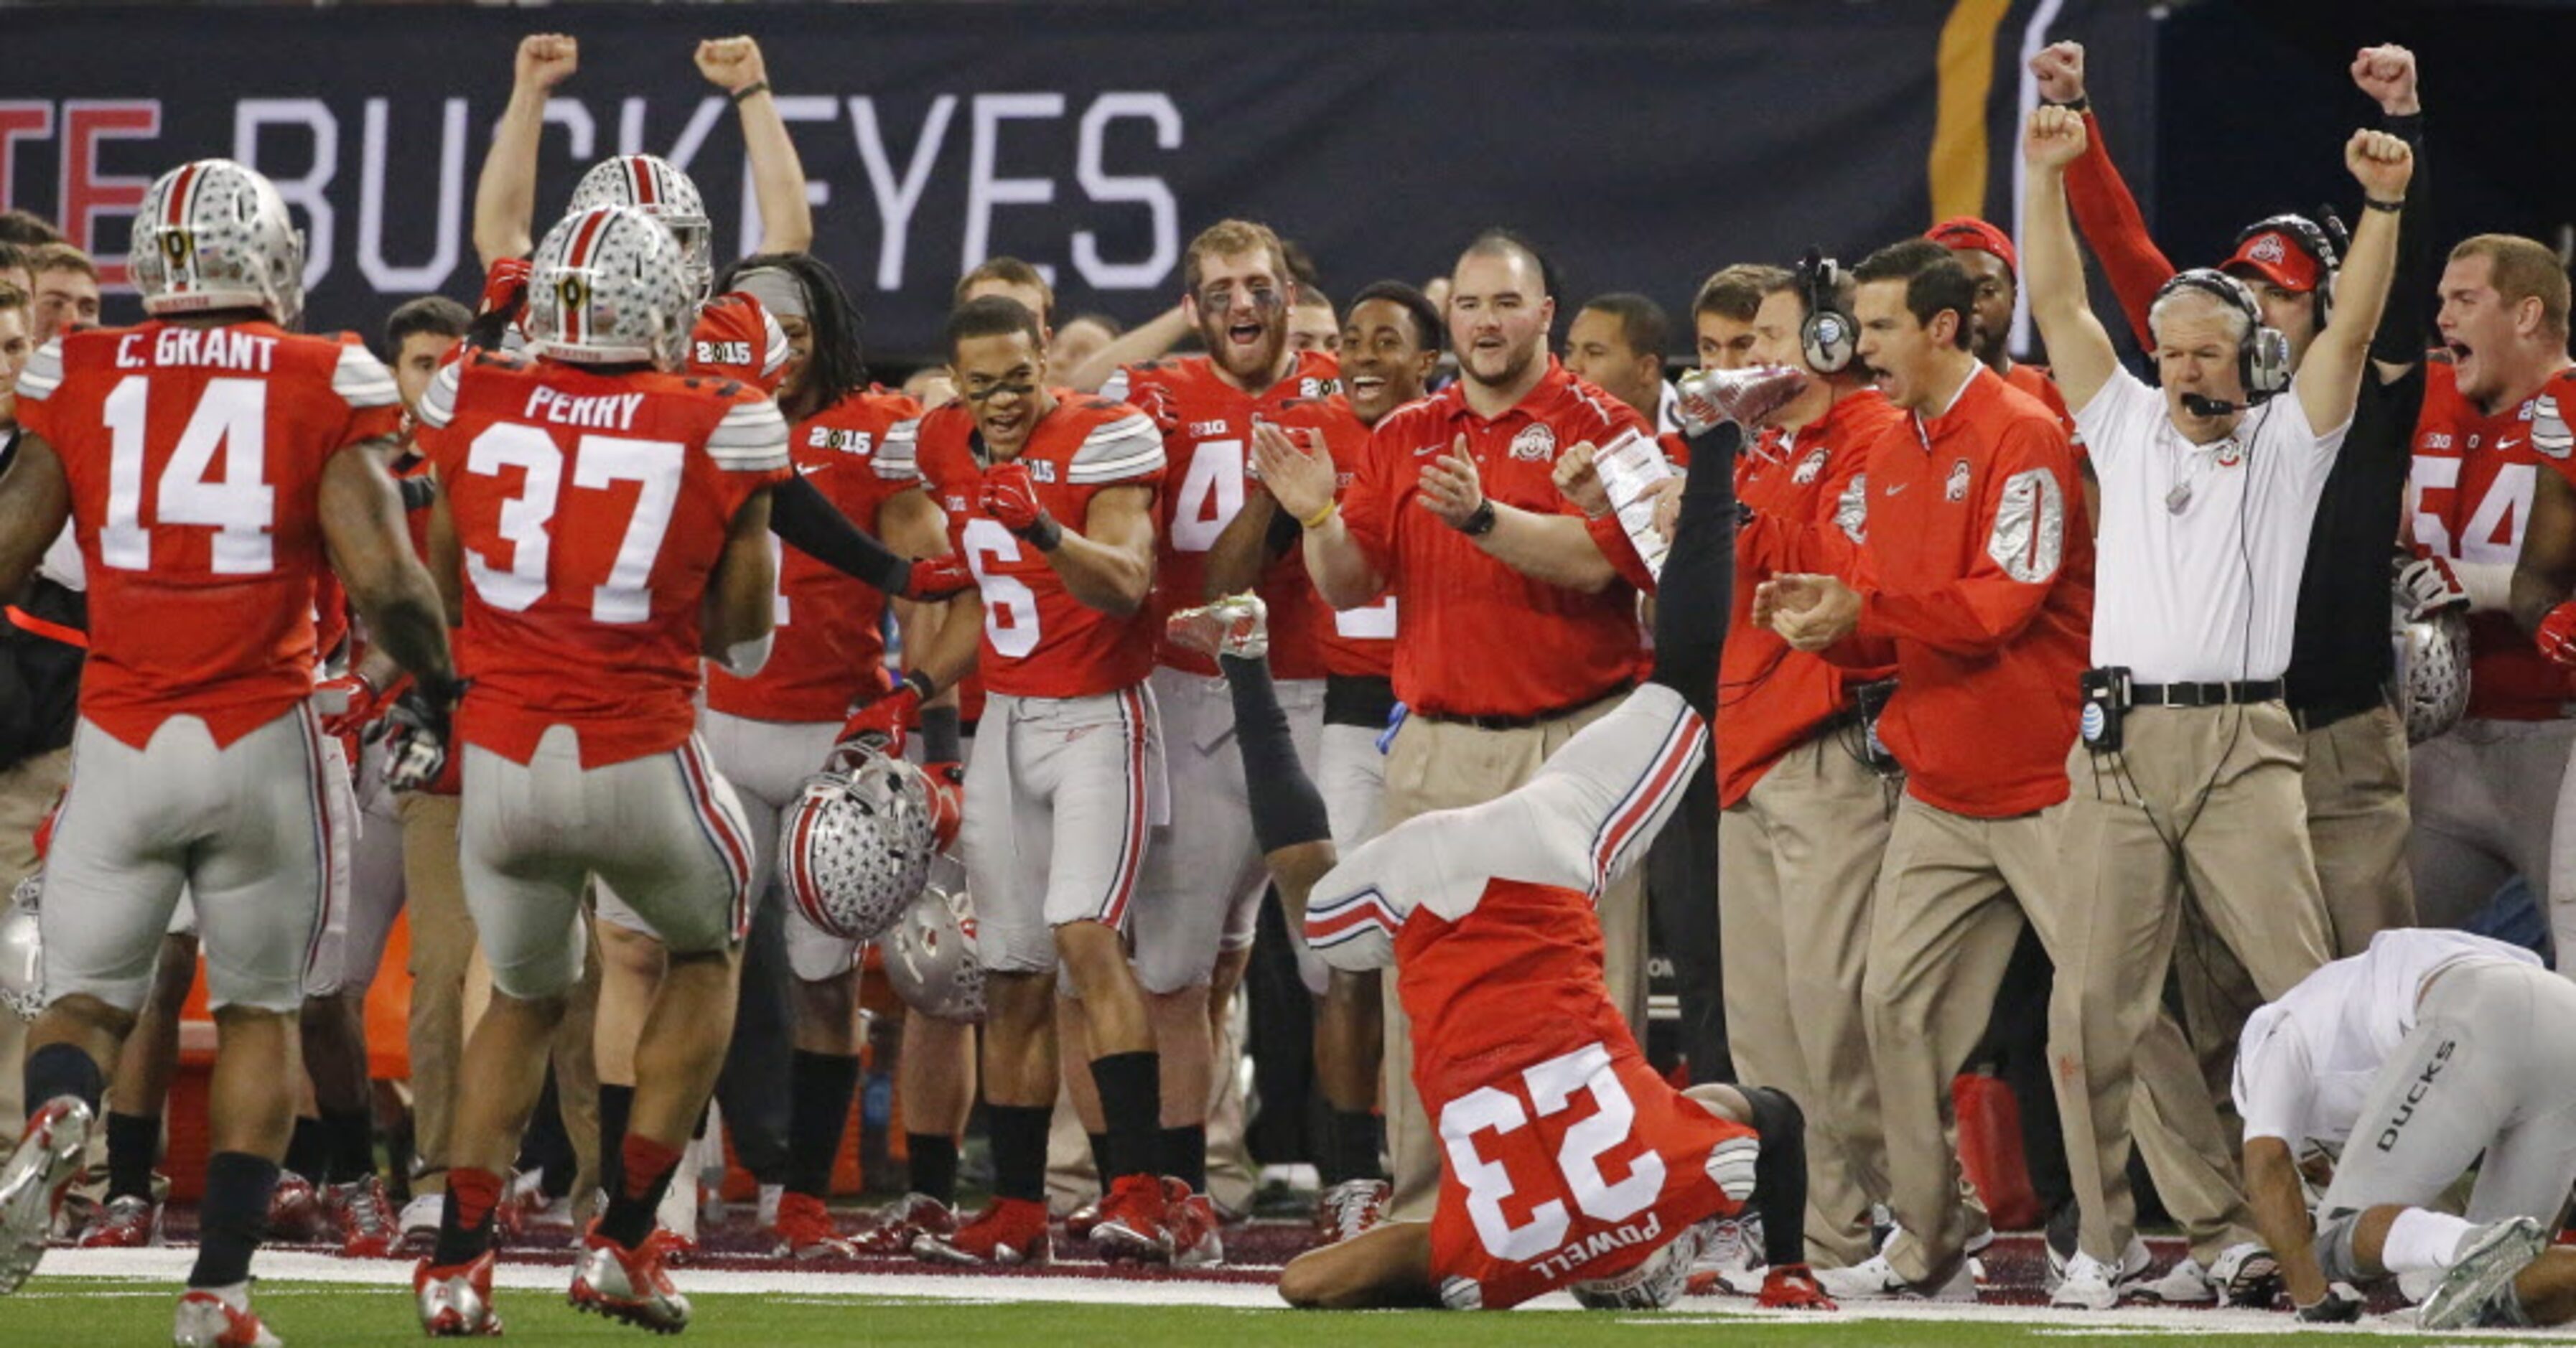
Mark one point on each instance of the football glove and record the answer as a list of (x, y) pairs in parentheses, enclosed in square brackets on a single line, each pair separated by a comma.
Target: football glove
[(1011, 498)]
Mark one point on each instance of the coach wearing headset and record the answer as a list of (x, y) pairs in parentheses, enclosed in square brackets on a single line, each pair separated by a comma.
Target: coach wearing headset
[(2188, 770), (2356, 770)]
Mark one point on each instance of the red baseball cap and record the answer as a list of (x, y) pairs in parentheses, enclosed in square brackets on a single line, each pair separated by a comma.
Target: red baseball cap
[(2276, 257), (1967, 232)]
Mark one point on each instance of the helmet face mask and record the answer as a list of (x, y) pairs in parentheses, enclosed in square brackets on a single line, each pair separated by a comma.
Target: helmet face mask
[(606, 287), (1652, 1283), (931, 956), (654, 186), (213, 235)]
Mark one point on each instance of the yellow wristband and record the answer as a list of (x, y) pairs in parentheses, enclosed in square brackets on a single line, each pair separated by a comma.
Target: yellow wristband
[(1320, 516)]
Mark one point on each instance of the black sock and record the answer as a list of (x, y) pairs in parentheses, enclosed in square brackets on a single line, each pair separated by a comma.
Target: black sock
[(1131, 1100), (352, 1141), (1100, 1159), (943, 735), (465, 1216), (820, 1088), (1696, 590), (1019, 1149), (234, 1217), (616, 1105), (308, 1152), (1780, 1175), (1354, 1150), (1286, 807), (1184, 1153), (57, 1070), (933, 1158), (132, 1141), (629, 1218)]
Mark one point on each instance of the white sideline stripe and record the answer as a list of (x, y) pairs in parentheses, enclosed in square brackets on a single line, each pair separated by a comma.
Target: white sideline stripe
[(168, 1266)]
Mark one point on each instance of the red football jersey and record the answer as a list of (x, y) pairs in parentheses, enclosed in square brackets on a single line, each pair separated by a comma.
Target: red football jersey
[(1565, 1157), (736, 338), (1040, 641), (1480, 639), (195, 461), (590, 509), (1358, 641), (2472, 483), (829, 648), (1207, 439), (1772, 697)]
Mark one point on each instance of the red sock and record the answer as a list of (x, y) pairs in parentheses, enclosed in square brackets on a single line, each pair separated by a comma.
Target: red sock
[(476, 1192), (644, 1163)]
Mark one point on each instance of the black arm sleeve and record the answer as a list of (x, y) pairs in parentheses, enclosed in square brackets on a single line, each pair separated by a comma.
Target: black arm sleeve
[(2404, 331), (1780, 1174), (1287, 809), (800, 516), (1696, 590)]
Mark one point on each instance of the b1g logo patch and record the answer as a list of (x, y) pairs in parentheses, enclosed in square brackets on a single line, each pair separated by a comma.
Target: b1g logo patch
[(1957, 488), (1534, 444)]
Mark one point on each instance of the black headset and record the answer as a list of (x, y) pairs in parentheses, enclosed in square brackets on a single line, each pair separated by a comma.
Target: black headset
[(2314, 239), (1827, 337), (2262, 354)]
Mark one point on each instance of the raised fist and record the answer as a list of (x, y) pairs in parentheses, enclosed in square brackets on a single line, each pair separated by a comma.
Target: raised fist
[(2054, 138), (1011, 498), (731, 63), (546, 60), (505, 287), (2381, 163), (2387, 74), (2059, 68)]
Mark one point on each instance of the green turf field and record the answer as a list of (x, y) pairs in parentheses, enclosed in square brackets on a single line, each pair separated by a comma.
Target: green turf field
[(68, 1311)]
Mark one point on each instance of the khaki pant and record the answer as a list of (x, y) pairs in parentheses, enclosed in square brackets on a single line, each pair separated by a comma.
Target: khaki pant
[(1952, 895), (1798, 861), (1438, 766), (28, 788), (2206, 801), (2354, 779)]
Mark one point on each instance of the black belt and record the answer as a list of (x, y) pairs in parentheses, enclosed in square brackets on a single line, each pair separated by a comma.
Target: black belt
[(1524, 722), (2329, 711), (2203, 694), (1358, 700)]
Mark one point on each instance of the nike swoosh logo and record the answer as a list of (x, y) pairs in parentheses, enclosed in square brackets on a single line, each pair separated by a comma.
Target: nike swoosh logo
[(2508, 442), (1898, 488)]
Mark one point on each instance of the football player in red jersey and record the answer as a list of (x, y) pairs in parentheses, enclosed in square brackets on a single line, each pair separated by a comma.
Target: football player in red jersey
[(1051, 498), (1486, 913), (797, 1026), (557, 563), (1390, 344), (1200, 895), (210, 461)]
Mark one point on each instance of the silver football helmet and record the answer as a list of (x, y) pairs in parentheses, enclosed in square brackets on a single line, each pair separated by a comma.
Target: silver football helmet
[(1657, 1281), (930, 956), (2432, 669), (855, 848), (214, 234), (651, 184), (22, 950), (606, 288)]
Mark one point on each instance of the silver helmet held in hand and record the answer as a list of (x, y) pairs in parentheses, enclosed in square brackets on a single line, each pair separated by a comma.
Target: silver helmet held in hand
[(930, 956), (856, 846), (22, 950), (2432, 677)]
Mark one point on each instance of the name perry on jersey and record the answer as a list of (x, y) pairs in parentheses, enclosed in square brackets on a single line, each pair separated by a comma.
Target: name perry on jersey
[(211, 348), (614, 411)]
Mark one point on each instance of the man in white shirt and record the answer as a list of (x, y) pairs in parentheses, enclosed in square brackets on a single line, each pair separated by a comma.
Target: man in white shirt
[(2189, 766), (2416, 1057)]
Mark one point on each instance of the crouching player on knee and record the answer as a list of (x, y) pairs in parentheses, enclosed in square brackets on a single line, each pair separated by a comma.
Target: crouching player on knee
[(1569, 1164)]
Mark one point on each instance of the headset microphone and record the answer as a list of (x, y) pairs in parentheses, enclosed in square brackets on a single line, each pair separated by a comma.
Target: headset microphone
[(2208, 407)]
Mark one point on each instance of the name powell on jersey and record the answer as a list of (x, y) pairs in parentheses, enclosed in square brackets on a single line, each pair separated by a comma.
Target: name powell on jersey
[(1591, 1247)]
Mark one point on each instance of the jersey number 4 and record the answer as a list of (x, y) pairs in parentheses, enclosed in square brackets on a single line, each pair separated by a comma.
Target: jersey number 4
[(231, 415), (623, 596), (1552, 1087)]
